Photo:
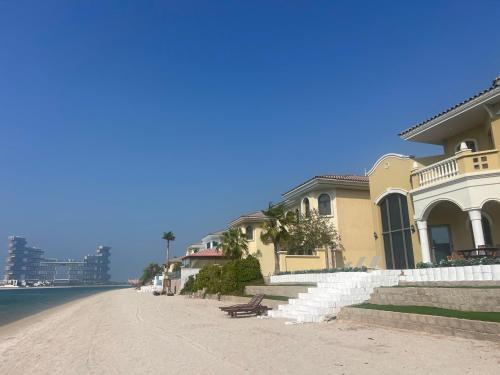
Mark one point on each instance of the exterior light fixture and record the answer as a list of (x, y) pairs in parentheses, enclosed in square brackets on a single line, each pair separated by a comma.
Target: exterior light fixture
[(375, 235)]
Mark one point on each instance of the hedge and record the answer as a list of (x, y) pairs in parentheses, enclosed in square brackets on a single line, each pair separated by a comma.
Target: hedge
[(231, 278)]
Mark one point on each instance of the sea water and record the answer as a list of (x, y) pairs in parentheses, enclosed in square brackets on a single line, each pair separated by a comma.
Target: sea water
[(18, 303)]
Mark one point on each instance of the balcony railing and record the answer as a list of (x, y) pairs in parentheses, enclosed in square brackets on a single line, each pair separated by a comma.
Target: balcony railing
[(461, 163), (441, 171)]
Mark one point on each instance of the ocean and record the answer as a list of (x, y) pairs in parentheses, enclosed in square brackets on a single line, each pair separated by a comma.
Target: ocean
[(18, 303)]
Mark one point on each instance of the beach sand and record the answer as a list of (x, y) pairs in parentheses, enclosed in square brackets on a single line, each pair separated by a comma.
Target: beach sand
[(125, 332)]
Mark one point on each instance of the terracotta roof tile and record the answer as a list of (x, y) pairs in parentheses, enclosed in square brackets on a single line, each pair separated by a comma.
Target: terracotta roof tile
[(205, 253), (335, 177), (495, 84)]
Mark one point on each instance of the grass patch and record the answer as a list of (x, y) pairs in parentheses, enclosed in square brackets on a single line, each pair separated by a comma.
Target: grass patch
[(436, 311), (450, 286), (275, 298)]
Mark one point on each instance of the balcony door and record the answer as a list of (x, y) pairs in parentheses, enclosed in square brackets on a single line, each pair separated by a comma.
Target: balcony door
[(396, 232)]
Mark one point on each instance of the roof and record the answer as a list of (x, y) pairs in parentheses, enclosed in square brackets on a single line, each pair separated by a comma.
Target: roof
[(494, 85), (342, 179), (257, 216), (205, 254)]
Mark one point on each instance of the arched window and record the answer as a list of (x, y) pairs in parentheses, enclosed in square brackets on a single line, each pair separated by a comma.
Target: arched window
[(249, 232), (324, 204), (396, 232), (307, 208), (470, 142)]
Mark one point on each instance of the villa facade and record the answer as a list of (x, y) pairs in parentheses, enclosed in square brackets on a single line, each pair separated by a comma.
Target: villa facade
[(252, 225), (406, 209), (345, 201), (427, 209)]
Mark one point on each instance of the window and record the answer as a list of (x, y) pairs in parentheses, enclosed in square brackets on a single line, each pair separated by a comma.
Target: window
[(471, 144), (249, 232), (307, 208), (324, 204), (396, 232)]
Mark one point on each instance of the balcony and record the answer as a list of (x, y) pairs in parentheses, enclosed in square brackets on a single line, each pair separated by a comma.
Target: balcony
[(463, 162)]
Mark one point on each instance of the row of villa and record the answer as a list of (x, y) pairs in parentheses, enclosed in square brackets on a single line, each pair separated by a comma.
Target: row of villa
[(406, 209)]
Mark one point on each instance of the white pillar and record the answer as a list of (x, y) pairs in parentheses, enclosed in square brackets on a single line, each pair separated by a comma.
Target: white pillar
[(477, 227), (424, 240)]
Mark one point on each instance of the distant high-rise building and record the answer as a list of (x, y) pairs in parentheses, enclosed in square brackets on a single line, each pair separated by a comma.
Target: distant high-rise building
[(96, 267), (23, 261), (27, 264)]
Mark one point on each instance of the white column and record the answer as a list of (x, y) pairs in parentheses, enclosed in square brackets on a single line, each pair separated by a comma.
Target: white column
[(477, 227), (424, 240)]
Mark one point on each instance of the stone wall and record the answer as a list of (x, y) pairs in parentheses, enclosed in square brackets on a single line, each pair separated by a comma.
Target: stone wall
[(470, 329)]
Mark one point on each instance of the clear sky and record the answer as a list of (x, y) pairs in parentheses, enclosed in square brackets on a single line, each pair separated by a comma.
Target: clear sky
[(123, 119)]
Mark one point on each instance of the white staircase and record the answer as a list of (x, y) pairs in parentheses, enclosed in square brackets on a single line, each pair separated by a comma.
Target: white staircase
[(333, 292)]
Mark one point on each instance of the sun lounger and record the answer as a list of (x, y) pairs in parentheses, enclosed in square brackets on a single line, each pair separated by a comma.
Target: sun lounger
[(252, 302), (253, 307)]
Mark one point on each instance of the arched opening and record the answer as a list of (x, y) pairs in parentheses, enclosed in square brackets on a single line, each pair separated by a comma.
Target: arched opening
[(396, 232), (446, 232), (470, 142), (491, 222), (324, 205), (307, 208)]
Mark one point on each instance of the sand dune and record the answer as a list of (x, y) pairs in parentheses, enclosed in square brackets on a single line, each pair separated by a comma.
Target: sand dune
[(125, 332)]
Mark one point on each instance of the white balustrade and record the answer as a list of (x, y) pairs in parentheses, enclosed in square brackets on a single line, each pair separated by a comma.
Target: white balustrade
[(441, 171)]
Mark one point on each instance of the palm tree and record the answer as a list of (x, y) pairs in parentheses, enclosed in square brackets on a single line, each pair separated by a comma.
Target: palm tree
[(275, 230), (234, 243), (168, 236)]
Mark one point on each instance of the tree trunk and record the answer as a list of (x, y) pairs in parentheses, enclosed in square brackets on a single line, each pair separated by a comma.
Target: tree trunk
[(168, 252), (276, 258)]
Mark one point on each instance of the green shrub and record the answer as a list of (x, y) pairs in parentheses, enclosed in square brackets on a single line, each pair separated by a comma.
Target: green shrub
[(189, 286), (248, 269), (228, 279), (209, 277), (459, 262)]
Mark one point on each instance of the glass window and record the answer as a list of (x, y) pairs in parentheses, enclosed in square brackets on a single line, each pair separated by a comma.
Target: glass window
[(396, 232), (324, 204), (249, 232), (307, 208)]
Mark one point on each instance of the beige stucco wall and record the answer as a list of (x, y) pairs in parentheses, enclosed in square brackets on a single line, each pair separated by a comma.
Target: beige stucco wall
[(479, 133), (292, 263), (391, 172), (262, 251), (355, 225)]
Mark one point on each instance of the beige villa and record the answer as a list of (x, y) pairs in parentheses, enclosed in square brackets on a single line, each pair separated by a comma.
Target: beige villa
[(424, 209), (344, 200)]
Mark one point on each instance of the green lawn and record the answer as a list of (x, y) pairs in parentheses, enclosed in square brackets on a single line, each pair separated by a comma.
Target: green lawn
[(448, 286), (276, 298), (427, 310)]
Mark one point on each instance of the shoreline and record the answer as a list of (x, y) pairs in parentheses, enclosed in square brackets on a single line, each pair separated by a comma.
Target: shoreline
[(18, 304), (123, 331), (64, 287), (27, 321)]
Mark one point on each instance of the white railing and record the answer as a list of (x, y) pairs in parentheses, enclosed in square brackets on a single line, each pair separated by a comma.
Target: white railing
[(441, 171)]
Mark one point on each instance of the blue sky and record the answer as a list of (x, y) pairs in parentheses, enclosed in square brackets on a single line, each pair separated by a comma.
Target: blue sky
[(123, 119)]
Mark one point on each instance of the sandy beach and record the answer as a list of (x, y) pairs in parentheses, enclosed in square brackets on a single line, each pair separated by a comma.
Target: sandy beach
[(125, 332)]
